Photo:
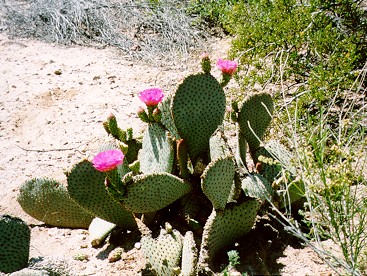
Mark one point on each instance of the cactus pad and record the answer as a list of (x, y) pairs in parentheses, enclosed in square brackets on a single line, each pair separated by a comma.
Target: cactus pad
[(274, 150), (157, 153), (258, 187), (198, 108), (15, 238), (218, 145), (223, 228), (167, 119), (164, 252), (217, 181), (99, 230), (47, 200), (241, 150), (86, 186), (255, 111), (152, 192), (189, 255)]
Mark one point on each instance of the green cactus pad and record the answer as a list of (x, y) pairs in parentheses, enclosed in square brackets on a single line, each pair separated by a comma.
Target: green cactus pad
[(273, 149), (167, 119), (258, 187), (278, 162), (86, 186), (241, 151), (290, 193), (218, 145), (189, 255), (15, 237), (255, 111), (198, 108), (217, 181), (164, 252), (98, 230), (223, 228), (152, 192), (157, 153), (48, 200)]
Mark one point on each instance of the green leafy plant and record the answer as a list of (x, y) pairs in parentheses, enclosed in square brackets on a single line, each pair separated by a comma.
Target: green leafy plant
[(233, 259), (315, 47), (331, 157), (337, 203)]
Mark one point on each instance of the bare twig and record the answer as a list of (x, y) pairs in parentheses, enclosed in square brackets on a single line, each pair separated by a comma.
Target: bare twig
[(152, 33)]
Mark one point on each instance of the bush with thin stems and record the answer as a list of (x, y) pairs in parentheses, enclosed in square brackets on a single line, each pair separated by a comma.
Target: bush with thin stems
[(153, 32), (331, 157)]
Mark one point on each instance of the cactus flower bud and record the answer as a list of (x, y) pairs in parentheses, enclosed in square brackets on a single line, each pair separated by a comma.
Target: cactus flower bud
[(108, 160), (205, 63), (234, 106), (157, 115), (142, 114), (151, 96), (112, 125)]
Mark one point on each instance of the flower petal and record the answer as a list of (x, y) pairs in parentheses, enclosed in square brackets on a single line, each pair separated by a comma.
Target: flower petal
[(108, 160)]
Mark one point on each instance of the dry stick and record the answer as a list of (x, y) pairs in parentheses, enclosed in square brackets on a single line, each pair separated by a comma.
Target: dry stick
[(59, 149), (46, 150)]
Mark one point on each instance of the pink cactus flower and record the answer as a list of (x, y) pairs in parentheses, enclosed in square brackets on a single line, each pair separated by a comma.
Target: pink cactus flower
[(108, 160), (151, 96), (227, 66)]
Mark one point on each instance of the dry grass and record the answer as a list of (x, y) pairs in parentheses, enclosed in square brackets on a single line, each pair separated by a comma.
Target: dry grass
[(152, 33)]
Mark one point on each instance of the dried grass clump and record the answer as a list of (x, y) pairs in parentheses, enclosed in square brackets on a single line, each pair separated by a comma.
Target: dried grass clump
[(140, 29)]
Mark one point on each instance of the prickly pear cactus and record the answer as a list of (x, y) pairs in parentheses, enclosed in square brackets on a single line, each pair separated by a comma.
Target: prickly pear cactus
[(48, 200), (152, 192), (86, 186), (254, 118), (273, 158), (218, 145), (99, 230), (222, 228), (275, 164), (167, 119), (126, 137), (241, 149), (217, 181), (189, 255), (185, 173), (164, 252), (256, 186), (157, 153), (198, 108), (15, 238)]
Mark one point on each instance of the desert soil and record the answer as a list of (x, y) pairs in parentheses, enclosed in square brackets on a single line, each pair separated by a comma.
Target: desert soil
[(53, 101)]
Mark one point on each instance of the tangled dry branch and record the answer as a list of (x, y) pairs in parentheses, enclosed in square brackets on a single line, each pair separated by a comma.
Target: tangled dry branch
[(140, 29)]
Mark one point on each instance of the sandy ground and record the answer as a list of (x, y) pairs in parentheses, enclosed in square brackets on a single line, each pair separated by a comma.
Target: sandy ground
[(52, 104)]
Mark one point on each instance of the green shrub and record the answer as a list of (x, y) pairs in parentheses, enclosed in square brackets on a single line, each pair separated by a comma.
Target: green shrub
[(212, 13), (320, 44)]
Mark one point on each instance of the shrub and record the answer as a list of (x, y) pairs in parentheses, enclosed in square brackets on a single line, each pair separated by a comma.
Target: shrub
[(151, 30), (319, 44), (211, 14)]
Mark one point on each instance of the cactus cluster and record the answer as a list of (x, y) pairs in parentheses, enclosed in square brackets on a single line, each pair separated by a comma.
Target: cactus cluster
[(184, 165)]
